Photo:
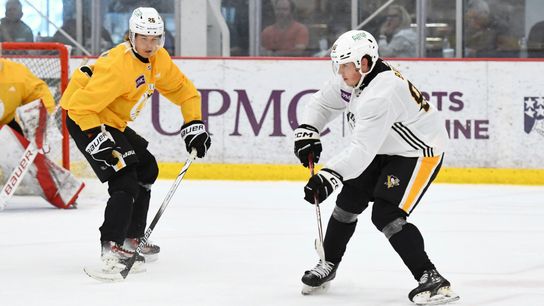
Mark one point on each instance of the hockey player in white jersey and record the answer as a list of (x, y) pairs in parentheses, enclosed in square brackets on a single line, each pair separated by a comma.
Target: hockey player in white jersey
[(396, 150)]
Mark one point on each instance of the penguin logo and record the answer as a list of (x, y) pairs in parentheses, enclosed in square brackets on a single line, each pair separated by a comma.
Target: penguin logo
[(392, 181)]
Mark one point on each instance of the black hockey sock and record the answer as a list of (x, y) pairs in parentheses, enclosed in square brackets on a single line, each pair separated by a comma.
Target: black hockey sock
[(116, 217), (137, 225), (409, 245), (336, 239)]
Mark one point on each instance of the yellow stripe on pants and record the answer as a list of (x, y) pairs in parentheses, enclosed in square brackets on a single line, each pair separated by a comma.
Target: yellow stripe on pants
[(420, 180)]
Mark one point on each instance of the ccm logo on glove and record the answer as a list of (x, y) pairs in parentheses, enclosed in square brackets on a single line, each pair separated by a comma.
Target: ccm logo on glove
[(307, 142)]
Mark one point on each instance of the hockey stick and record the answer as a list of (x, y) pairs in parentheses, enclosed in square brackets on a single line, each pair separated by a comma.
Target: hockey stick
[(318, 241), (159, 213)]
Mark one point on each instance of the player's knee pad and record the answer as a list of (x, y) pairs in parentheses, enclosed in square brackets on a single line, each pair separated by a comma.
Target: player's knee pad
[(394, 227), (125, 181), (148, 169), (383, 213), (344, 216)]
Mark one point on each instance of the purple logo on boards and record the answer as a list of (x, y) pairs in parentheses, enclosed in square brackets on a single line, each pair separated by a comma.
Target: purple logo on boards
[(140, 81), (346, 96)]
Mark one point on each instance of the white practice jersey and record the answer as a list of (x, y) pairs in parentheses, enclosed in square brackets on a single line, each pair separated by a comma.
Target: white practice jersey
[(388, 116)]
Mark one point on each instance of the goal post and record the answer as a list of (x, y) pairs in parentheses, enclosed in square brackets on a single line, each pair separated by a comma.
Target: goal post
[(49, 61)]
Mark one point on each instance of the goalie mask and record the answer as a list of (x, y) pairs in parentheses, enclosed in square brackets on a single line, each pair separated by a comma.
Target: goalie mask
[(146, 21), (351, 47)]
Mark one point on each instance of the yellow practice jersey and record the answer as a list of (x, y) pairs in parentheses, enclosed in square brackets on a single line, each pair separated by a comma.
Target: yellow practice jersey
[(19, 86), (114, 90)]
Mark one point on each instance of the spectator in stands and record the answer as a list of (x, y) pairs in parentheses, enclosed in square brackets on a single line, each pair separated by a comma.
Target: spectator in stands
[(535, 42), (70, 27), (286, 37), (397, 38), (12, 28), (487, 36)]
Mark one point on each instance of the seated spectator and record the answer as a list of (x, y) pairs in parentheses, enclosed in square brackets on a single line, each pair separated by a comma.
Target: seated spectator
[(70, 27), (12, 28), (397, 38), (535, 42), (286, 37), (487, 36)]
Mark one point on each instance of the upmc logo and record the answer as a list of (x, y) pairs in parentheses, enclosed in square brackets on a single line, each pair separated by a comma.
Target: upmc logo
[(245, 113), (533, 108)]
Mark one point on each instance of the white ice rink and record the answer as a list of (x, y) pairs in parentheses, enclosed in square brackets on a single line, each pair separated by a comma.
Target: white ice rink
[(248, 243)]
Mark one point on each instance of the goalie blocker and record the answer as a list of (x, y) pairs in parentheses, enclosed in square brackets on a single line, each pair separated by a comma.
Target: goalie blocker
[(25, 169)]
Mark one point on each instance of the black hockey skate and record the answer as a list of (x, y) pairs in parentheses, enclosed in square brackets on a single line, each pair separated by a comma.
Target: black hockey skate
[(149, 251), (318, 278), (433, 289)]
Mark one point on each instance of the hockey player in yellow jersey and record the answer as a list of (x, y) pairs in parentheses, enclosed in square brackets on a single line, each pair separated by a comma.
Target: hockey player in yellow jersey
[(19, 86), (101, 99)]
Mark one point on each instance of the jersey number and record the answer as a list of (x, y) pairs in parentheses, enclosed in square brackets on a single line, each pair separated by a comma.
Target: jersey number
[(418, 97)]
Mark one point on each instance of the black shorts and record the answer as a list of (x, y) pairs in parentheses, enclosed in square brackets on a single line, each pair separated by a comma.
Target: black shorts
[(129, 142), (398, 180)]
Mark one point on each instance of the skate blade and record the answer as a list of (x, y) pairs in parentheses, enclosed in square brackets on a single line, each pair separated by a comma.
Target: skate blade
[(103, 275), (444, 296), (111, 274), (309, 290)]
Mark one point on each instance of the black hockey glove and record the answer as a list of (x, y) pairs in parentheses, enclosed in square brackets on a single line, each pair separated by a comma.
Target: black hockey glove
[(306, 142), (195, 136), (102, 146), (323, 183)]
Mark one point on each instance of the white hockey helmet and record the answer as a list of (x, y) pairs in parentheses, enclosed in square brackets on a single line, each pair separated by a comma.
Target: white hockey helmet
[(146, 21), (351, 47)]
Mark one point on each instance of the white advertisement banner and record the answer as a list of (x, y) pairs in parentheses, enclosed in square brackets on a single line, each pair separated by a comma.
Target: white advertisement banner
[(493, 111)]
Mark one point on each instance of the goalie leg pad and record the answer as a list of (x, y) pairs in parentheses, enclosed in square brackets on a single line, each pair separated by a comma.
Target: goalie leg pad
[(15, 126)]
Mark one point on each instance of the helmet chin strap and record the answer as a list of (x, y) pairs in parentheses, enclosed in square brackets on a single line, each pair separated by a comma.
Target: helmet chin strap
[(362, 78), (363, 75)]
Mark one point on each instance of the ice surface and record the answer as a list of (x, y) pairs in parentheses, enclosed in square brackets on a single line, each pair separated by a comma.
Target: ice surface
[(248, 243)]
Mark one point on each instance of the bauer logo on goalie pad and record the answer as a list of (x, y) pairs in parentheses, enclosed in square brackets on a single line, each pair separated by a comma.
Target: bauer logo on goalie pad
[(17, 175)]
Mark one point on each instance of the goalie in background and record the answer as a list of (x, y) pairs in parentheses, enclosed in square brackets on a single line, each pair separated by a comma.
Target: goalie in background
[(21, 90), (396, 150), (101, 99)]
